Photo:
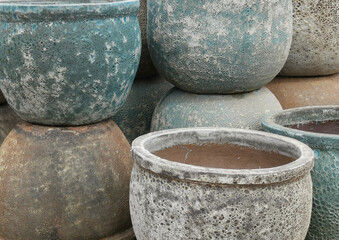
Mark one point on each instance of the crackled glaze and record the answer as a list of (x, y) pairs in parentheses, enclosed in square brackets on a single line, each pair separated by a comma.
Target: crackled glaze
[(180, 109), (222, 46), (64, 182), (170, 200), (315, 44), (68, 63), (325, 174), (134, 117)]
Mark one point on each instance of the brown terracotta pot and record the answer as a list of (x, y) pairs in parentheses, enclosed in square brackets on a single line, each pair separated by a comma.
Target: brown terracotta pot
[(64, 183), (293, 92)]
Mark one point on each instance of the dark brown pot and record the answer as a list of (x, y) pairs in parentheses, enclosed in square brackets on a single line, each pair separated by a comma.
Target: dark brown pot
[(64, 183), (293, 92)]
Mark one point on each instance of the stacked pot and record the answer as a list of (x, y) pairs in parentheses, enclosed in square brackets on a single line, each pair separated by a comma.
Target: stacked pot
[(219, 55), (310, 76), (66, 67), (134, 117)]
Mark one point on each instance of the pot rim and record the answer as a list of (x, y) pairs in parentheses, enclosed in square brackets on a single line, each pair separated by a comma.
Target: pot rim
[(143, 157), (271, 124), (41, 10)]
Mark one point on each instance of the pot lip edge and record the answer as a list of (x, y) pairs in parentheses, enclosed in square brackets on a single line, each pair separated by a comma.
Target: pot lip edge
[(263, 176)]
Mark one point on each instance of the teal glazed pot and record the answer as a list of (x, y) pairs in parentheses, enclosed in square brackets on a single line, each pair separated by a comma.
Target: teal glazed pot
[(325, 175), (179, 109), (225, 46), (68, 62), (134, 118)]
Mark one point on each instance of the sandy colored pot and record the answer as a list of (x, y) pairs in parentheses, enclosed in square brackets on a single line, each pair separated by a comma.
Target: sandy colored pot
[(315, 44), (325, 174), (293, 92), (64, 183), (68, 63), (219, 47), (8, 120), (171, 200), (179, 109), (146, 67), (135, 116)]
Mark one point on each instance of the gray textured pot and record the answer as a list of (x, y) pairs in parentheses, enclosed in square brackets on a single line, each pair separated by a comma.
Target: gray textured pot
[(170, 200), (315, 44), (8, 120), (325, 175), (223, 46), (179, 109), (134, 117)]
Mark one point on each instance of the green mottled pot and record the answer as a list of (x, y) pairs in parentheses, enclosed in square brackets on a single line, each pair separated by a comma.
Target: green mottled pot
[(134, 118), (325, 175), (179, 109), (70, 62)]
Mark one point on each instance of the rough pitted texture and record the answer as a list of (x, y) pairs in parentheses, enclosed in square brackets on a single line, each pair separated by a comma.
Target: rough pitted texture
[(8, 120), (192, 204), (64, 183), (134, 118), (219, 46), (146, 67), (315, 44), (180, 109), (68, 64), (295, 92), (325, 174)]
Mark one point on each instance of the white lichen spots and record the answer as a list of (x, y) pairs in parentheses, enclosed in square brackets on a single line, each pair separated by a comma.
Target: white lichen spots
[(124, 39), (92, 57)]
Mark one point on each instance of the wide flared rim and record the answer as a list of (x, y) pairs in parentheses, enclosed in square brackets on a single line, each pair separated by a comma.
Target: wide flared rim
[(42, 10), (277, 123), (143, 146)]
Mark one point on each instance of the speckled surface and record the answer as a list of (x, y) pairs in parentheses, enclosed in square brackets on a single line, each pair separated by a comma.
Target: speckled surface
[(179, 109), (315, 44), (219, 46), (64, 183), (134, 118), (146, 67), (295, 92), (8, 120), (325, 174), (170, 200), (68, 63)]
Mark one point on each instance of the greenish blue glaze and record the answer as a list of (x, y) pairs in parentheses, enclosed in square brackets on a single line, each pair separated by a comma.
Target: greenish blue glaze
[(179, 109), (325, 174), (134, 118), (68, 63), (222, 46)]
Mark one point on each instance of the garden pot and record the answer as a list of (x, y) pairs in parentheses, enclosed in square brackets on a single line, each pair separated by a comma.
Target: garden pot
[(209, 183), (179, 109), (68, 62), (8, 120), (134, 118), (293, 92), (314, 49), (222, 46), (64, 183), (2, 98), (324, 140), (146, 67)]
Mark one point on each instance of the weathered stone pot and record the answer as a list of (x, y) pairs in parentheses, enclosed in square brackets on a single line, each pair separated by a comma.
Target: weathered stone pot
[(315, 47), (146, 67), (179, 109), (69, 62), (223, 46), (64, 183), (8, 120), (325, 175), (172, 200), (135, 116), (293, 92)]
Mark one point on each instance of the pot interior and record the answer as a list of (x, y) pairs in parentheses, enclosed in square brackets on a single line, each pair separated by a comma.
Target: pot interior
[(326, 127), (226, 156)]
